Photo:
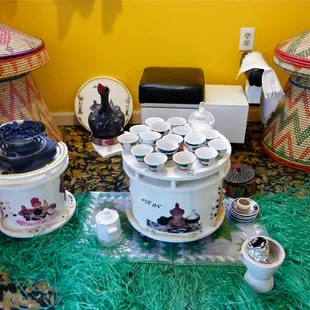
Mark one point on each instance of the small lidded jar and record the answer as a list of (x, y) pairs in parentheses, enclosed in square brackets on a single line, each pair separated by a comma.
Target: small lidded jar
[(108, 227), (201, 119)]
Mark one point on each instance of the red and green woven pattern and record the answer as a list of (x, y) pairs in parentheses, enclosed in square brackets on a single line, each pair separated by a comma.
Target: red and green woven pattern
[(293, 55), (287, 136), (20, 99), (19, 52)]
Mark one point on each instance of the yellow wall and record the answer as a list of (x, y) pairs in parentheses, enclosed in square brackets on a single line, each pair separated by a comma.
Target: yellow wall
[(119, 38)]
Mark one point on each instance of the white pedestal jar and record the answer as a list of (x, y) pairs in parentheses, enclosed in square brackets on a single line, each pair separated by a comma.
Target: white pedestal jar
[(260, 275), (175, 205), (36, 203)]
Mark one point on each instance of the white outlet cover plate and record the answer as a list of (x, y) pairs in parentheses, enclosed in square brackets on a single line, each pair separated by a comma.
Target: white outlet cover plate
[(247, 36)]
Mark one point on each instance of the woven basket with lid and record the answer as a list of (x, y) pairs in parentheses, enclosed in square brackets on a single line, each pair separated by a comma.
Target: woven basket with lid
[(19, 53), (293, 55), (286, 138), (19, 97), (240, 181)]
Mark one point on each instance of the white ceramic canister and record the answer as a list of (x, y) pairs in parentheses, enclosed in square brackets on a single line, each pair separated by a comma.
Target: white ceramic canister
[(108, 227), (35, 202), (160, 208)]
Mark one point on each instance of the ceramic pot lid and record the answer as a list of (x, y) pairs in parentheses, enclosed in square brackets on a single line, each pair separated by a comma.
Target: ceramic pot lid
[(107, 217), (87, 94), (293, 55), (19, 53), (239, 174)]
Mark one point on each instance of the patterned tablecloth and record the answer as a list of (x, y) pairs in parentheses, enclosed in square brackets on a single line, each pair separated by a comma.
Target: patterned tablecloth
[(222, 247)]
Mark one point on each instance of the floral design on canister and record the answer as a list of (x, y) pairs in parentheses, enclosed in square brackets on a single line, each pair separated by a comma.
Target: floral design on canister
[(38, 213)]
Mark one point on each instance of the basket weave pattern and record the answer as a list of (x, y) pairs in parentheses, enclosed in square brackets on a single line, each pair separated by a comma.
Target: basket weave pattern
[(287, 136), (20, 99)]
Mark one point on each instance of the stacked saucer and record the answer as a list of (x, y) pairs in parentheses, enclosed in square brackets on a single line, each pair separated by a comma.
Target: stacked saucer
[(243, 210)]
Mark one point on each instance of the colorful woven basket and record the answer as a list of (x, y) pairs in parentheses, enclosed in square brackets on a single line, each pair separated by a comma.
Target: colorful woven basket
[(287, 136), (240, 181), (293, 55), (19, 53), (19, 97)]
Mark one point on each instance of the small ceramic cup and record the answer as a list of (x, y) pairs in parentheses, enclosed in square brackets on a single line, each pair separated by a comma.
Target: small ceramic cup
[(182, 130), (151, 120), (127, 141), (184, 160), (194, 140), (206, 155), (149, 137), (243, 205), (171, 136), (140, 151), (176, 121), (167, 146), (138, 129), (259, 275), (220, 145), (162, 127), (210, 134), (155, 161)]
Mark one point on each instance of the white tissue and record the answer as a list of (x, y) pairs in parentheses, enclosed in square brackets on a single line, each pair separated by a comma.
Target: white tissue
[(271, 86)]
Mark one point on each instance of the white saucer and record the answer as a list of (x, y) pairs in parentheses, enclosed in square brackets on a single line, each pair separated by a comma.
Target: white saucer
[(254, 209), (40, 230)]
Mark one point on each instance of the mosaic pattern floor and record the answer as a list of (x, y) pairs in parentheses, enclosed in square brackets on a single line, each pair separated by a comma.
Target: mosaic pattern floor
[(89, 172)]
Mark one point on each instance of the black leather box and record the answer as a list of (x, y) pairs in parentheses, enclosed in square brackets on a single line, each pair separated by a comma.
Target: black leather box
[(172, 85)]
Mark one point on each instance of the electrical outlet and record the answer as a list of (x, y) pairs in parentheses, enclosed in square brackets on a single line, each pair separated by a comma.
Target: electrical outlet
[(247, 39)]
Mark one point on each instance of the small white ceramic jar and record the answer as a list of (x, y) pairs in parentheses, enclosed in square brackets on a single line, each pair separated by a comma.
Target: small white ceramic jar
[(260, 275), (108, 227)]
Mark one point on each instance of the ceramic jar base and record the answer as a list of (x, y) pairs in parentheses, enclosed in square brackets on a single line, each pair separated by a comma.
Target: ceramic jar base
[(259, 286)]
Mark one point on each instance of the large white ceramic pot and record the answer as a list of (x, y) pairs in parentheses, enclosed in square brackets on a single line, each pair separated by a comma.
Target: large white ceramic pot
[(36, 202)]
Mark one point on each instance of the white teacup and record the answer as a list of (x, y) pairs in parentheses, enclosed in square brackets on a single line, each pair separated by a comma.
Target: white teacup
[(171, 136), (155, 161), (182, 130), (138, 129), (206, 155), (176, 121), (162, 127), (127, 141), (194, 140), (220, 145), (210, 134), (140, 151), (184, 160), (149, 137), (151, 120), (167, 146)]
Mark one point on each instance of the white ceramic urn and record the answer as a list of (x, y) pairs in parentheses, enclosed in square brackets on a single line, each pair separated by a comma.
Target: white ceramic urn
[(108, 227), (260, 275)]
